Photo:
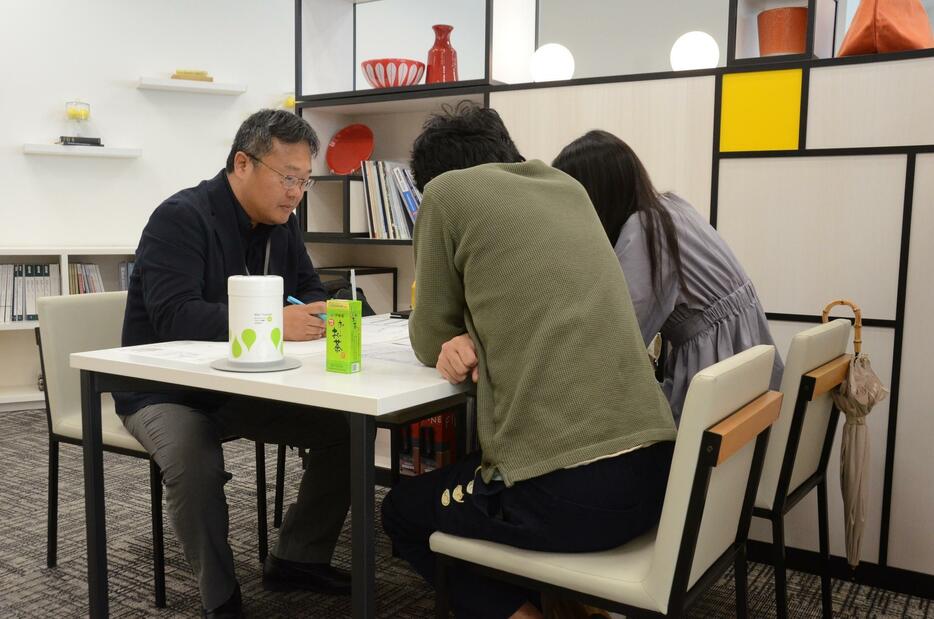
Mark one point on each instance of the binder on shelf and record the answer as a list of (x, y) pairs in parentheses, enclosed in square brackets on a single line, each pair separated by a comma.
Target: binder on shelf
[(55, 280), (18, 292), (6, 298), (391, 201), (408, 197)]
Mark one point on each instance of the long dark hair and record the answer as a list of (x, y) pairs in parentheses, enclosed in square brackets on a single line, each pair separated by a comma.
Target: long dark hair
[(619, 187)]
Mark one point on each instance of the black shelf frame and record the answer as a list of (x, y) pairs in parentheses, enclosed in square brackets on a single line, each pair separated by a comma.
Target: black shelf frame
[(344, 180), (758, 61), (302, 100), (881, 574), (336, 237)]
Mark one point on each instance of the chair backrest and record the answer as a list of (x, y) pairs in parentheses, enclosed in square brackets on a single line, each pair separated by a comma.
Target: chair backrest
[(75, 323), (714, 394), (809, 349)]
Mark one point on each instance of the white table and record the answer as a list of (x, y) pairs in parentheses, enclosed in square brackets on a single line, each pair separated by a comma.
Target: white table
[(392, 387)]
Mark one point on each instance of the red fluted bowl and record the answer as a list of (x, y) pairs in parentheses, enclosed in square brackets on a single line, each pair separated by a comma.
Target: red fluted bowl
[(392, 72)]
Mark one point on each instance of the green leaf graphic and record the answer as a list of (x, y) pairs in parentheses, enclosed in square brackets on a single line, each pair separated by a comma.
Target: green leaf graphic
[(248, 336), (235, 348), (276, 336)]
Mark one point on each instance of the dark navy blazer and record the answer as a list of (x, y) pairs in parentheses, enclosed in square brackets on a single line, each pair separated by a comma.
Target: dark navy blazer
[(192, 243)]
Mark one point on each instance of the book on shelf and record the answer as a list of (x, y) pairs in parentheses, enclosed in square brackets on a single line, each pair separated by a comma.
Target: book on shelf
[(6, 293), (21, 287), (18, 294), (125, 272), (428, 444), (84, 278), (391, 199)]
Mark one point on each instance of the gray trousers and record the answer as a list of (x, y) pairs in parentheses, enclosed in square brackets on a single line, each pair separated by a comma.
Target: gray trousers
[(186, 444)]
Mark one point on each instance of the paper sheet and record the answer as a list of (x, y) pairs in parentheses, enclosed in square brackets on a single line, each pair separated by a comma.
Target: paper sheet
[(398, 351), (187, 352)]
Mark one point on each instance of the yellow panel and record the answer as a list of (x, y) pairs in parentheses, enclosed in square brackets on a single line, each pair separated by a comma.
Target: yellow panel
[(760, 110)]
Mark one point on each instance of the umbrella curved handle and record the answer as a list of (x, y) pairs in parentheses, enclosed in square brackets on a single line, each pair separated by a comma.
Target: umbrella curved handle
[(858, 313)]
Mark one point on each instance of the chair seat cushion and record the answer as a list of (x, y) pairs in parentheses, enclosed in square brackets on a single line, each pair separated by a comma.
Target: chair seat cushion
[(618, 574), (112, 431)]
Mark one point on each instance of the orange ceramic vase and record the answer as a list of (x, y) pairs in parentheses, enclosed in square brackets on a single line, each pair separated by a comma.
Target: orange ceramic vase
[(442, 58), (783, 31)]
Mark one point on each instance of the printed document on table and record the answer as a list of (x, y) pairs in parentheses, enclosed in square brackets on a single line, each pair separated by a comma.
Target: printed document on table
[(186, 352)]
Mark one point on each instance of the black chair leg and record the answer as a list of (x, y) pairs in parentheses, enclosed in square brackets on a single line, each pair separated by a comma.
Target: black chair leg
[(778, 560), (52, 541), (442, 608), (739, 569), (158, 542), (280, 486), (262, 532), (823, 526)]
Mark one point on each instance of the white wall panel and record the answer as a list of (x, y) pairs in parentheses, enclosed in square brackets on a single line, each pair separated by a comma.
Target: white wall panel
[(669, 123), (911, 543), (97, 53), (873, 104), (801, 522), (812, 229)]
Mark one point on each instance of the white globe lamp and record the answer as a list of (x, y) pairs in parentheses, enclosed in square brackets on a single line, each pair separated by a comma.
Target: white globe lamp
[(551, 62), (694, 50)]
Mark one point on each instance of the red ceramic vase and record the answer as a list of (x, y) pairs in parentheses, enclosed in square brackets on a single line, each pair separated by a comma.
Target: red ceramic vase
[(442, 58)]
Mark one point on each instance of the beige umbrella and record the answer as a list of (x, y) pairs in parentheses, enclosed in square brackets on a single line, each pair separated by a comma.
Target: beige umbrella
[(856, 395)]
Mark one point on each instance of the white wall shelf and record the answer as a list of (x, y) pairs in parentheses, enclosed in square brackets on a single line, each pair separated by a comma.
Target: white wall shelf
[(106, 250), (20, 393), (207, 88), (19, 326), (82, 151)]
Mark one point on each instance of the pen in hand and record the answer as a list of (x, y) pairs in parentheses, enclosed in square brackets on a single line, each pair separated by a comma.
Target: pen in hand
[(294, 301)]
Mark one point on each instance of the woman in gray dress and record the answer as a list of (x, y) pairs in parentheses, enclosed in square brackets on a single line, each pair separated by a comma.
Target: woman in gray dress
[(683, 279)]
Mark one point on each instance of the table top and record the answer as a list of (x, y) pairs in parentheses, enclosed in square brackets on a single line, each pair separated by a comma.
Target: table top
[(391, 378)]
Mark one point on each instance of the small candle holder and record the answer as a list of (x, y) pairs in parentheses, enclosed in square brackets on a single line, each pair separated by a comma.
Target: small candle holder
[(78, 114)]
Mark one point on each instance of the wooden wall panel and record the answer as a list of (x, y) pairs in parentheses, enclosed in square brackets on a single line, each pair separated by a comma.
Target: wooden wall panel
[(873, 104), (669, 123), (911, 543), (812, 229)]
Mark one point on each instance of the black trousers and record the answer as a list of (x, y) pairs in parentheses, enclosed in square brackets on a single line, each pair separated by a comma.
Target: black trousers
[(588, 508)]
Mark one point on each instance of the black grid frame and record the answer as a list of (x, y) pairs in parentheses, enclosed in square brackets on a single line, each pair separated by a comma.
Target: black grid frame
[(874, 574)]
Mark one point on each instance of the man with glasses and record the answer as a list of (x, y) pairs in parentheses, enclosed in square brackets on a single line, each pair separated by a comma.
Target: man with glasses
[(239, 222)]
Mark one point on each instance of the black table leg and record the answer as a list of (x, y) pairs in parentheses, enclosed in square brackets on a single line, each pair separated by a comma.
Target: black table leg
[(94, 494), (362, 513)]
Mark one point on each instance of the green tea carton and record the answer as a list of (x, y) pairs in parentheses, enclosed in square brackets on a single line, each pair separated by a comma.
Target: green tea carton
[(344, 335)]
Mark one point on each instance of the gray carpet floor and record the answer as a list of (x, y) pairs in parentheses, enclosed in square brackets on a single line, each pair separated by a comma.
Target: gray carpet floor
[(29, 589)]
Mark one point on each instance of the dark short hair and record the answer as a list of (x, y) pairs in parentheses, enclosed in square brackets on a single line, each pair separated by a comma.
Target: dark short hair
[(255, 135), (461, 137)]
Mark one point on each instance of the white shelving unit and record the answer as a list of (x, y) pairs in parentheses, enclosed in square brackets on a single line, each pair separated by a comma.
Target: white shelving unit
[(18, 394), (19, 365), (207, 88), (60, 150), (19, 326)]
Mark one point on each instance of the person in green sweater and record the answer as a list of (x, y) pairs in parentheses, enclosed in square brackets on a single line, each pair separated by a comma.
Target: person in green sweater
[(518, 292)]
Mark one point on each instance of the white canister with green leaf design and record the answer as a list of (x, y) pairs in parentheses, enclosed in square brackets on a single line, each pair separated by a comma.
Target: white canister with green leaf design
[(255, 319)]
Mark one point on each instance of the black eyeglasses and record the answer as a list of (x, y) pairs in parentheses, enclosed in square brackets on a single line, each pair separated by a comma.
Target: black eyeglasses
[(288, 181)]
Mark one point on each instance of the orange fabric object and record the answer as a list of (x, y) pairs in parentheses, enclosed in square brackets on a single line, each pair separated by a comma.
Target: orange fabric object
[(881, 26)]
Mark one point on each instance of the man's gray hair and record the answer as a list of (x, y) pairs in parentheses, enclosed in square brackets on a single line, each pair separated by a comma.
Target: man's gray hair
[(254, 137)]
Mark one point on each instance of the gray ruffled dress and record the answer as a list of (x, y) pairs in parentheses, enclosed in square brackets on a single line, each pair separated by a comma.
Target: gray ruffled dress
[(715, 315)]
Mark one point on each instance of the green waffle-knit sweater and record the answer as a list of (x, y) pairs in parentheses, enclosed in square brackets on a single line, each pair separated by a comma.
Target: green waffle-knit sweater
[(514, 255)]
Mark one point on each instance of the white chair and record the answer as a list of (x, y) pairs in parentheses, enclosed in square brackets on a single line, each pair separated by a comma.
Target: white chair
[(78, 323), (796, 459), (705, 518)]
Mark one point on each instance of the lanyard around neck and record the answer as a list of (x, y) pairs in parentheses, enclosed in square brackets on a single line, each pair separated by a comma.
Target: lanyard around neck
[(265, 262)]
